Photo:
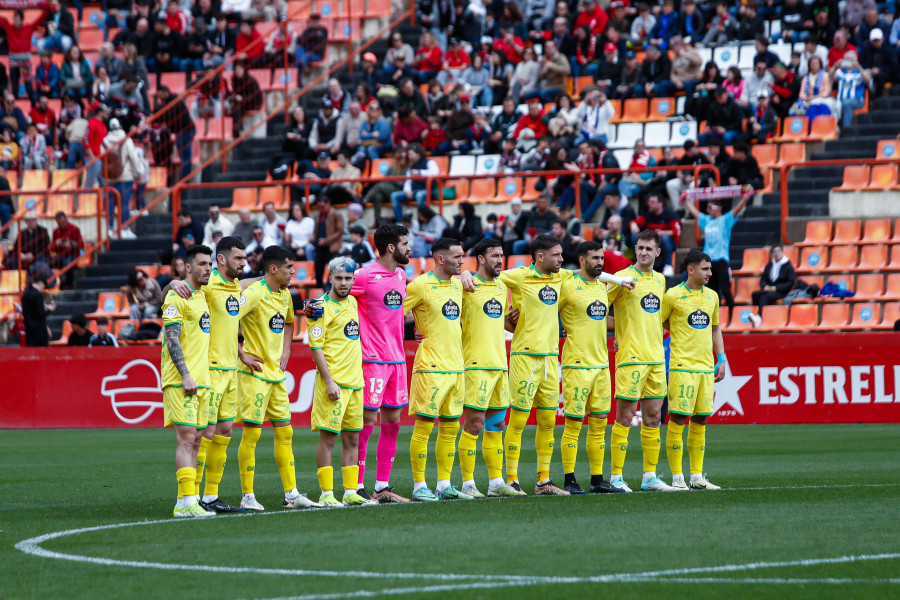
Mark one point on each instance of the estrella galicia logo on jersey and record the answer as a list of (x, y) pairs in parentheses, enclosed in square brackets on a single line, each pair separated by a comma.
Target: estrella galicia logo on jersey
[(650, 303), (596, 310), (450, 310), (232, 307), (548, 295), (393, 300), (698, 319), (351, 330), (493, 308), (204, 322), (276, 323)]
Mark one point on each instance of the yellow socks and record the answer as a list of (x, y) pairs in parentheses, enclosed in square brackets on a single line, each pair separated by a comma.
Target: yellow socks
[(350, 475), (325, 475), (284, 456), (543, 442), (468, 448), (185, 477), (201, 463), (618, 441), (696, 446), (517, 420), (247, 457), (569, 447), (445, 448), (650, 444), (418, 448), (215, 464), (674, 446), (492, 449), (596, 444)]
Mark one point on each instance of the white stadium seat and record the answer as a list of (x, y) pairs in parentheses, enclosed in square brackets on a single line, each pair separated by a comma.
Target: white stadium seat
[(627, 134), (487, 164), (462, 165), (681, 132), (656, 135), (725, 57)]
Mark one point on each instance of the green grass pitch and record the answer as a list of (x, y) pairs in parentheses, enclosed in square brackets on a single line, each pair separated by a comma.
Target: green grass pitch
[(796, 498)]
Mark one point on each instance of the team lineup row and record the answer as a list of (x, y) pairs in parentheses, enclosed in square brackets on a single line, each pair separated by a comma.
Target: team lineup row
[(460, 369)]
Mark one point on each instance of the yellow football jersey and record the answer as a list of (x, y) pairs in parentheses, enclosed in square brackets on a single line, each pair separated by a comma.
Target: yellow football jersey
[(226, 307), (437, 307), (264, 329), (537, 298), (193, 314), (336, 333), (691, 315), (637, 313), (483, 325), (583, 309)]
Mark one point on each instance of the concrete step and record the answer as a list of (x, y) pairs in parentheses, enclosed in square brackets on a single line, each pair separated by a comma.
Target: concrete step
[(136, 257), (151, 243), (101, 282)]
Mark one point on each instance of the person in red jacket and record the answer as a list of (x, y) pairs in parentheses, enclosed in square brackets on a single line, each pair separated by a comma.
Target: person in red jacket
[(534, 120), (176, 19), (429, 58), (18, 41), (93, 144), (248, 35), (67, 245), (593, 16)]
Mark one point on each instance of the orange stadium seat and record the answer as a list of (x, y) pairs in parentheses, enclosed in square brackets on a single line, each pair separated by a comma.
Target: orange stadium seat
[(817, 233), (58, 203), (774, 317), (304, 273), (518, 260), (895, 239), (792, 153), (891, 315), (110, 304), (888, 150), (617, 110), (379, 8), (884, 177), (583, 82), (813, 259), (242, 198), (794, 129), (661, 109), (530, 194), (88, 204), (633, 110), (413, 269), (869, 286), (766, 155), (894, 265), (876, 231), (835, 316), (470, 263), (873, 258), (846, 232), (740, 319), (90, 39), (33, 180), (856, 177), (804, 317), (744, 288), (843, 259), (866, 315), (724, 317), (844, 282), (380, 166), (277, 195), (792, 253), (508, 188), (892, 287), (462, 189), (11, 281), (823, 128), (443, 164), (482, 190)]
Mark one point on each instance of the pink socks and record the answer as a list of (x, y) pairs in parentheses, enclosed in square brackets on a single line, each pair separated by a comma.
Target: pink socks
[(384, 453), (363, 449)]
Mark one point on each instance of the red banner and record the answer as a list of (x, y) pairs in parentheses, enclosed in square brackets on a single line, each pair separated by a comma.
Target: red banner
[(781, 378)]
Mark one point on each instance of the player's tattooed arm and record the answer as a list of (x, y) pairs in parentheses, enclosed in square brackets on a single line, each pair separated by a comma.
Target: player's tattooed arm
[(173, 332)]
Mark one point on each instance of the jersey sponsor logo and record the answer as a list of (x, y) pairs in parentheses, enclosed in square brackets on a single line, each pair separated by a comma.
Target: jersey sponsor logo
[(232, 306), (493, 308), (698, 319), (316, 331), (351, 330), (650, 303), (548, 295), (204, 322), (596, 310), (393, 299), (171, 312), (276, 323), (450, 310)]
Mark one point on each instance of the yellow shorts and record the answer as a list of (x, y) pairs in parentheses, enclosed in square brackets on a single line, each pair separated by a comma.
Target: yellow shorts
[(691, 393), (585, 391), (262, 401), (634, 382), (487, 389), (437, 395), (344, 414), (179, 409), (223, 396), (534, 380)]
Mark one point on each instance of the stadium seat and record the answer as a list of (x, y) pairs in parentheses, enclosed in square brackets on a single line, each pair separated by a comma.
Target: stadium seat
[(794, 129), (582, 82), (774, 317), (176, 82), (892, 287), (876, 231), (64, 338), (88, 204), (462, 165), (379, 8), (744, 288), (304, 273), (856, 177), (846, 231), (413, 269), (242, 198), (442, 162), (766, 155), (627, 134), (884, 177), (158, 178), (843, 259), (888, 150), (90, 39), (530, 193), (873, 258), (278, 195), (470, 263), (792, 153), (804, 317), (482, 190), (681, 132), (110, 304), (869, 286), (33, 180), (152, 271), (657, 134), (844, 282), (891, 315), (792, 253), (661, 109), (381, 166), (894, 265), (834, 316), (461, 186), (822, 129), (753, 262), (895, 239), (817, 233), (518, 260), (487, 164), (508, 188), (725, 56), (57, 203), (866, 315), (11, 281), (724, 317), (812, 259), (740, 319), (635, 110)]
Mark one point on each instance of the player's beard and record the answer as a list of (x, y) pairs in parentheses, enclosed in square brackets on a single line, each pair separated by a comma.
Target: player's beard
[(401, 258)]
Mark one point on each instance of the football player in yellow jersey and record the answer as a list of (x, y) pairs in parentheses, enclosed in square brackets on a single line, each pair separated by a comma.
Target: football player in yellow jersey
[(437, 390), (484, 324), (338, 393), (640, 363), (185, 376), (263, 395), (691, 313)]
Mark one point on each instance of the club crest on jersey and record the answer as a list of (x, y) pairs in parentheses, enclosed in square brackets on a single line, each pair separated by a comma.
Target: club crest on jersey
[(232, 306), (393, 300), (548, 295), (698, 319), (650, 303), (596, 310), (351, 330), (316, 331), (276, 323), (204, 322), (493, 308), (450, 310)]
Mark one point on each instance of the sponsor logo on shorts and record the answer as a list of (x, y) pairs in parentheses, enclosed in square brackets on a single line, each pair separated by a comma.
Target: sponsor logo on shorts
[(393, 300), (493, 308), (450, 310), (698, 319), (204, 322), (276, 323), (351, 330), (650, 303), (596, 310), (548, 295), (232, 306)]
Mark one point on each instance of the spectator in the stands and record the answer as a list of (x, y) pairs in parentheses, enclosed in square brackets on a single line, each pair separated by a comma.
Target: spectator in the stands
[(500, 71), (397, 47), (560, 34), (243, 229), (311, 46), (134, 63), (636, 179), (796, 21), (630, 79), (220, 42), (777, 280), (853, 12), (409, 127), (586, 189), (743, 168), (380, 193), (12, 116), (186, 225), (810, 49), (179, 121), (458, 128), (751, 24), (429, 58), (466, 226), (246, 47), (531, 224), (722, 28), (570, 222), (46, 78), (609, 69), (351, 123), (7, 208), (102, 83), (724, 119), (375, 133), (895, 34), (177, 272), (503, 125), (763, 124), (345, 192), (476, 77), (698, 104), (509, 235), (114, 65), (126, 92), (871, 21), (325, 135), (18, 43), (667, 25), (328, 234), (840, 47), (410, 97), (593, 16), (525, 76), (619, 20), (785, 88), (216, 223), (616, 207), (758, 80), (59, 29), (93, 144), (428, 228), (360, 250), (81, 335), (568, 242), (686, 66), (144, 295), (272, 223), (246, 97), (339, 97), (436, 16), (168, 49), (642, 26), (852, 81), (296, 136), (10, 153), (684, 179), (553, 73), (455, 61), (259, 240), (881, 61), (414, 189), (690, 22), (299, 231), (815, 91), (563, 120), (656, 71), (32, 245), (531, 126), (823, 29), (123, 181), (34, 150), (666, 223), (34, 313), (104, 337), (67, 245), (44, 119)]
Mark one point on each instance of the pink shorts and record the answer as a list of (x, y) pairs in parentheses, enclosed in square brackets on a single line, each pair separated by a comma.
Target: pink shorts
[(385, 385)]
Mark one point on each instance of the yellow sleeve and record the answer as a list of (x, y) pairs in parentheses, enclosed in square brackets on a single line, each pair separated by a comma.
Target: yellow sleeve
[(513, 277), (289, 309), (564, 292), (172, 309), (566, 275), (668, 305), (613, 292), (249, 299), (415, 293), (504, 293), (317, 331), (715, 315)]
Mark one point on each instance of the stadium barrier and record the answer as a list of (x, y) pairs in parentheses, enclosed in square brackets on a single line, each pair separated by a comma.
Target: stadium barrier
[(771, 379)]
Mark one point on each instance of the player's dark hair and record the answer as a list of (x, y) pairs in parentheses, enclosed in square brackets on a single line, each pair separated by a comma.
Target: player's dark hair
[(543, 242), (229, 243), (193, 251), (649, 235), (694, 257), (482, 247), (585, 248), (275, 255), (444, 244), (389, 234)]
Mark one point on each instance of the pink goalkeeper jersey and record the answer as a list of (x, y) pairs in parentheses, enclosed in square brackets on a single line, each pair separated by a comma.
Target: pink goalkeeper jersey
[(380, 295)]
